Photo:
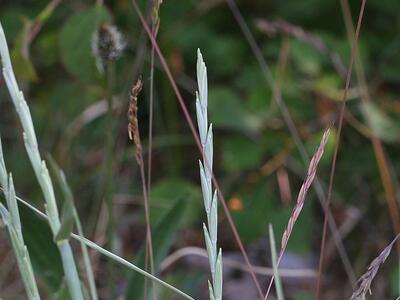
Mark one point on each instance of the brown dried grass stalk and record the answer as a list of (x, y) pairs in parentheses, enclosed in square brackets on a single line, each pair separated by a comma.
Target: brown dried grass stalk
[(366, 279), (134, 134), (133, 127), (312, 169)]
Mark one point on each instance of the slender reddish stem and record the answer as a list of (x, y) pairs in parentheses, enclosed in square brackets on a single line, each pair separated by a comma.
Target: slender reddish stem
[(197, 140), (334, 159), (293, 132)]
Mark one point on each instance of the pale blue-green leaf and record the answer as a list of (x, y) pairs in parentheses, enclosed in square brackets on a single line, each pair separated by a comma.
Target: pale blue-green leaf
[(210, 249), (205, 188), (201, 123), (209, 153), (214, 220), (202, 80), (13, 208), (211, 291), (218, 277)]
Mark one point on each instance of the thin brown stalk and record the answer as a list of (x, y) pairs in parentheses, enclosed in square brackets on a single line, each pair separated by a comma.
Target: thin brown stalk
[(282, 26), (381, 159), (134, 135), (312, 169), (154, 30), (294, 134), (367, 278), (197, 140), (337, 142)]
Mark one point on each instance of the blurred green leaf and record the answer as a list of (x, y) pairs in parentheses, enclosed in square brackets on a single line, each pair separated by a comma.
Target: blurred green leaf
[(384, 127), (75, 42), (261, 206), (394, 279), (329, 85), (46, 44), (20, 55), (229, 111), (165, 193), (42, 250), (307, 59), (62, 292), (186, 280), (163, 237), (241, 153), (303, 296)]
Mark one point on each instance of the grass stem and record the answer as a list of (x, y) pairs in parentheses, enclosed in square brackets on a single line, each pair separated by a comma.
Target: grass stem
[(39, 166)]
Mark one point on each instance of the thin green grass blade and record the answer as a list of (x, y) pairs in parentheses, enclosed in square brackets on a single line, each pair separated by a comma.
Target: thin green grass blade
[(274, 257)]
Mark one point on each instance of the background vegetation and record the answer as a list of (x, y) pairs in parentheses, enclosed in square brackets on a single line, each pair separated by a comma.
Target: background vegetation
[(306, 46)]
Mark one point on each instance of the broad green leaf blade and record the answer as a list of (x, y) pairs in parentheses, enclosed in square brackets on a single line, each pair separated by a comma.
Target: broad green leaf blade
[(75, 42)]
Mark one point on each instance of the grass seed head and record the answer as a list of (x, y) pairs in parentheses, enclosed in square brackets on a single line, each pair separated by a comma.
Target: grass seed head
[(133, 125), (366, 279), (107, 45)]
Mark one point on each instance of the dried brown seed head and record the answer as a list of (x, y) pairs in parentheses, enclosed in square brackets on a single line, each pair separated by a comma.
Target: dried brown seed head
[(133, 127)]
